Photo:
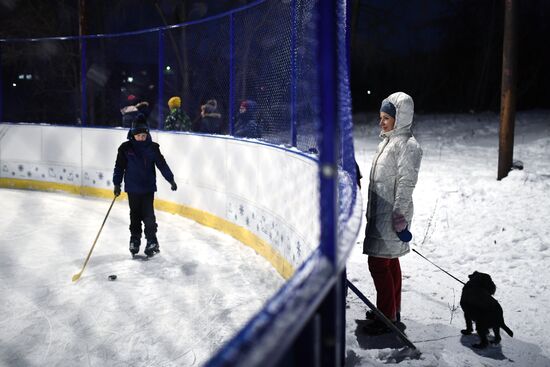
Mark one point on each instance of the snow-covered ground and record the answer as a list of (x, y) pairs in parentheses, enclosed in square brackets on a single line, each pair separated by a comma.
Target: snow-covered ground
[(466, 220), (176, 309), (173, 310)]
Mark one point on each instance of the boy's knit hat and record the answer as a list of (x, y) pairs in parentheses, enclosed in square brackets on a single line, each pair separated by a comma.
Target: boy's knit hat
[(139, 126), (174, 102)]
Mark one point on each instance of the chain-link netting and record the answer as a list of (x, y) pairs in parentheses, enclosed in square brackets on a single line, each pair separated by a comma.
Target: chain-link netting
[(250, 73), (349, 199), (39, 81), (262, 67), (120, 71), (196, 69)]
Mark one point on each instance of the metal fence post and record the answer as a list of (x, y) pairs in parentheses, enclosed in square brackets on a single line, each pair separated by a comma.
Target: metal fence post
[(331, 310), (293, 73), (328, 115), (231, 106), (83, 85), (160, 100), (1, 89)]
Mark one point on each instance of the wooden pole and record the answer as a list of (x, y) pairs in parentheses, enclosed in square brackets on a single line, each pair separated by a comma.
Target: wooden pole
[(508, 92)]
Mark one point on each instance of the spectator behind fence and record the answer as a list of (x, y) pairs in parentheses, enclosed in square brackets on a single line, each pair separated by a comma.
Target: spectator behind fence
[(247, 124), (177, 120), (210, 120), (132, 108)]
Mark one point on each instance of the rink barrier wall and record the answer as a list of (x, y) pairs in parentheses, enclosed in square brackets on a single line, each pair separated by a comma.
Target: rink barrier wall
[(233, 188), (261, 247)]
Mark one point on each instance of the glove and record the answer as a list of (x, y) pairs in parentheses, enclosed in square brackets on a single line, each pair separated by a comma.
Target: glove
[(174, 187), (405, 235), (398, 221), (117, 190)]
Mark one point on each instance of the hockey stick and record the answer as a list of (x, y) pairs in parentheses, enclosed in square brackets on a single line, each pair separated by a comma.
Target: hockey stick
[(380, 315), (77, 275)]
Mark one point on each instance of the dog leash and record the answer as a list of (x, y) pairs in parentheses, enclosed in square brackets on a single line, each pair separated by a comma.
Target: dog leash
[(443, 270)]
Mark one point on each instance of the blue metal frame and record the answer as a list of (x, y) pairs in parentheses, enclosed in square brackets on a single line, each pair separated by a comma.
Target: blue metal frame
[(327, 67), (332, 310), (231, 103), (160, 96), (83, 85), (293, 71), (309, 308), (160, 30), (142, 31), (291, 309), (1, 89), (344, 93)]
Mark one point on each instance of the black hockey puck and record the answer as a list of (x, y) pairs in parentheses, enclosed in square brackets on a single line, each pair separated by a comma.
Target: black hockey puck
[(112, 277)]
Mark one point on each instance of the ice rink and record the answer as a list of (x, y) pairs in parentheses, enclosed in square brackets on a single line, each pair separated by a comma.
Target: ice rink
[(175, 309)]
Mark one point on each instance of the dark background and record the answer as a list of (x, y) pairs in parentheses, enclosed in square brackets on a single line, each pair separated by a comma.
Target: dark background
[(445, 53)]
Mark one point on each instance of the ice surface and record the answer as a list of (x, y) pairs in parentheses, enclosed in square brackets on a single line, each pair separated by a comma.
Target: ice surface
[(173, 310)]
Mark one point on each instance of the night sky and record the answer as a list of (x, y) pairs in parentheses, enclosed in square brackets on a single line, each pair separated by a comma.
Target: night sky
[(446, 53)]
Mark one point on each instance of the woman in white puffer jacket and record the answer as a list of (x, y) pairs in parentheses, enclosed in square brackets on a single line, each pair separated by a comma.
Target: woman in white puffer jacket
[(393, 177)]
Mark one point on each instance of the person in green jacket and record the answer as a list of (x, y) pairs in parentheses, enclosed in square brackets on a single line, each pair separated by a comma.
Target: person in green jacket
[(177, 119)]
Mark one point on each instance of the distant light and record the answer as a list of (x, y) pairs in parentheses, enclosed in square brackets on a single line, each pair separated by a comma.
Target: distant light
[(168, 68), (28, 76), (14, 84), (130, 79), (21, 76), (368, 92)]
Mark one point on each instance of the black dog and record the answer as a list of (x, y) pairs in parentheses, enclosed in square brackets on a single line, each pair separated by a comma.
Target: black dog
[(479, 306)]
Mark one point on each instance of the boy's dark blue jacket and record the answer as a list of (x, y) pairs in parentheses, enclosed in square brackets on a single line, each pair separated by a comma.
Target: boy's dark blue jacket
[(136, 161)]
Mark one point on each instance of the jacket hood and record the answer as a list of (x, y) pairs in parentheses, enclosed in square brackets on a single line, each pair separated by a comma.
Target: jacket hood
[(404, 106), (250, 112)]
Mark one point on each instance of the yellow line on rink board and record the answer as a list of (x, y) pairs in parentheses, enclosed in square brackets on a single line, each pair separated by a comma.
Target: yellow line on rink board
[(242, 234)]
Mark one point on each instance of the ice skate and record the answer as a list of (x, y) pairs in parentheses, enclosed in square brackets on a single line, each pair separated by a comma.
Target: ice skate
[(134, 245), (152, 248)]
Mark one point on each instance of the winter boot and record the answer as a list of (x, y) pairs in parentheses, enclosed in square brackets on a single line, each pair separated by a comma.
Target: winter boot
[(376, 327), (152, 247), (134, 245), (370, 315)]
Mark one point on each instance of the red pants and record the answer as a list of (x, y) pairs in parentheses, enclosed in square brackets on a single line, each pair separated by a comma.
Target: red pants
[(386, 274)]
